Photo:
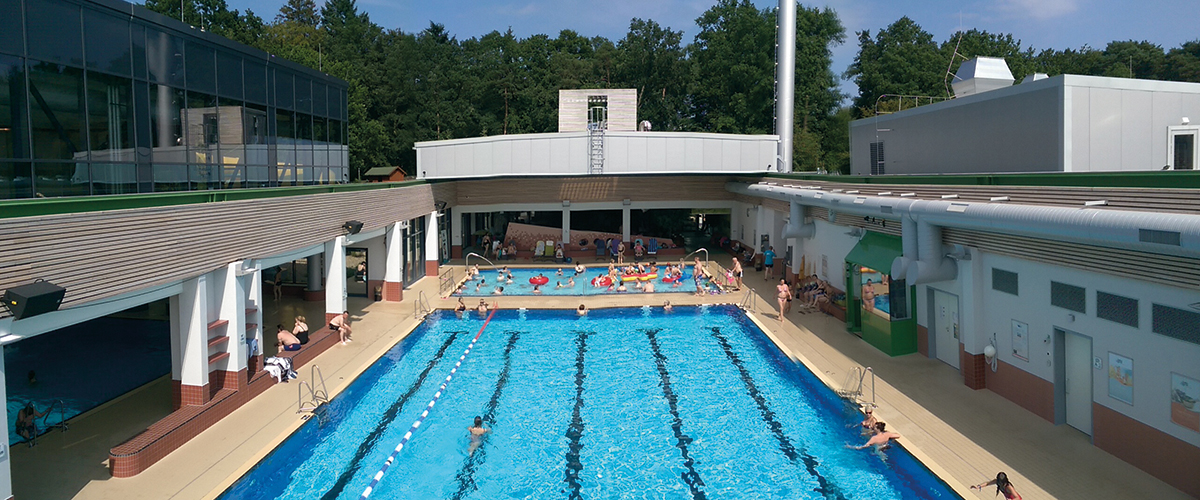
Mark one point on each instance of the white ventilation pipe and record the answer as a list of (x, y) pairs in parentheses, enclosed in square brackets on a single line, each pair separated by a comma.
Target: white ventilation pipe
[(932, 265), (1108, 228), (796, 228), (908, 238)]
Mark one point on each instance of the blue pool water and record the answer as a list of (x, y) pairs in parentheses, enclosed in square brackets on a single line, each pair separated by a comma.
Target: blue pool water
[(623, 403), (583, 286), (883, 303)]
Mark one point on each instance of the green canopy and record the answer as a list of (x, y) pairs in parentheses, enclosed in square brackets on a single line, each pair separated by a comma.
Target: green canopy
[(876, 251)]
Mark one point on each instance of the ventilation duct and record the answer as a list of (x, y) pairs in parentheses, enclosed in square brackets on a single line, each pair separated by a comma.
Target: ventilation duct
[(981, 74), (796, 228), (932, 265), (908, 238)]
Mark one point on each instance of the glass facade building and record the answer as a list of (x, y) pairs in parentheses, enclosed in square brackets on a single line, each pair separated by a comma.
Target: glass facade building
[(105, 97)]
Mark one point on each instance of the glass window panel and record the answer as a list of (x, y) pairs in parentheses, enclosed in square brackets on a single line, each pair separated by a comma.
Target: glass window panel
[(54, 31), (229, 75), (335, 131), (166, 125), (16, 180), (254, 130), (256, 176), (201, 68), (110, 117), (53, 179), (320, 131), (201, 128), (229, 126), (304, 128), (137, 37), (12, 33), (14, 142), (284, 127), (303, 94), (1185, 151), (56, 100), (320, 100), (284, 92), (114, 178), (255, 78), (164, 58), (287, 174), (170, 177), (107, 41)]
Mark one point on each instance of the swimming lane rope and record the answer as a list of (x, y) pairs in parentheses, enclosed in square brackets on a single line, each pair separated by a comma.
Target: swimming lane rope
[(417, 424)]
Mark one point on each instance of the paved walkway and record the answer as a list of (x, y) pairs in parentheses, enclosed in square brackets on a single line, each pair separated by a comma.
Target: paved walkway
[(965, 436)]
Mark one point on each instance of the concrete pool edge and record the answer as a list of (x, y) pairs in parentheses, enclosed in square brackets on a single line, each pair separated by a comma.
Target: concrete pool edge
[(927, 460), (292, 427)]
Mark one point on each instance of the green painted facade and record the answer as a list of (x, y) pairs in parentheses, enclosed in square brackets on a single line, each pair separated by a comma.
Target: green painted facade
[(895, 336)]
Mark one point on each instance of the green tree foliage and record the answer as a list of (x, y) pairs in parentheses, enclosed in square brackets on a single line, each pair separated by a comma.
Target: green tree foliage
[(302, 12), (1183, 62), (902, 59), (651, 60), (734, 56)]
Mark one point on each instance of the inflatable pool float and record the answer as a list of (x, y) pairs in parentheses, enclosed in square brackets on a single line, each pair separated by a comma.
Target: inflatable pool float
[(602, 281), (539, 280), (647, 276), (629, 277)]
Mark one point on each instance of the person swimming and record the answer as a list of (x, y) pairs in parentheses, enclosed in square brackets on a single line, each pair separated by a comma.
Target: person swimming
[(880, 440), (476, 431), (582, 311)]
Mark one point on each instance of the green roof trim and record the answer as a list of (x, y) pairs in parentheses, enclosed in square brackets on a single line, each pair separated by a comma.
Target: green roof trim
[(876, 251), (1174, 179), (33, 207)]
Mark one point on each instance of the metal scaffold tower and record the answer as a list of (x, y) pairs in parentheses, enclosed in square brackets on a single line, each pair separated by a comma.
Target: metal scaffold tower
[(597, 124)]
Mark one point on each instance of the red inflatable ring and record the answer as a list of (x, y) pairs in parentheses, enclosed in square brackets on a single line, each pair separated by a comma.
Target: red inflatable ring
[(602, 281), (668, 279), (539, 280)]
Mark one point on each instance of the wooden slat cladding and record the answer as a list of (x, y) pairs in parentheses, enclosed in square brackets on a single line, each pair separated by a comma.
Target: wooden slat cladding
[(446, 191), (102, 254), (592, 189), (1142, 266), (1137, 199)]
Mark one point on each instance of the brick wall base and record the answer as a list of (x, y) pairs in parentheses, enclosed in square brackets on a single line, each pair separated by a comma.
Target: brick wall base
[(190, 395), (371, 285), (923, 340), (393, 291), (314, 295), (431, 268), (456, 252), (1023, 388), (973, 368), (1160, 454)]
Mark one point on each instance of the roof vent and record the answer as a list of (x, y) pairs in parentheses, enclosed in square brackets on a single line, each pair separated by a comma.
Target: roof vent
[(1160, 237), (1034, 77), (981, 74)]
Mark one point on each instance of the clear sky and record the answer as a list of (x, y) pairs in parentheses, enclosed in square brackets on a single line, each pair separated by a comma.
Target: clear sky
[(1041, 24)]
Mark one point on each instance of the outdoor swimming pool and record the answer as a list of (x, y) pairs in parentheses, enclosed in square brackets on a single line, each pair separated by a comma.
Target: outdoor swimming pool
[(583, 285), (623, 403)]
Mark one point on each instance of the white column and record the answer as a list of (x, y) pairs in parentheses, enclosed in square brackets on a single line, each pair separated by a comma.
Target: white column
[(393, 268), (431, 244), (232, 308), (5, 465), (176, 339), (625, 224), (566, 228), (254, 301), (456, 229), (335, 276), (193, 337)]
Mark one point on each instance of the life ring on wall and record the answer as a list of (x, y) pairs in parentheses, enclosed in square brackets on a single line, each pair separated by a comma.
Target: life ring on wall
[(539, 280)]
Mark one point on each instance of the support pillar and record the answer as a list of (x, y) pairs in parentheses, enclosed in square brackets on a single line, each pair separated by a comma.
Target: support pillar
[(431, 244), (335, 278), (5, 464), (393, 266), (254, 324), (315, 291), (625, 225), (566, 228), (456, 236), (228, 372), (193, 388)]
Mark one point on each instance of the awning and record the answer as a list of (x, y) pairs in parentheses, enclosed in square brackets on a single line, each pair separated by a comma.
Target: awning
[(876, 251)]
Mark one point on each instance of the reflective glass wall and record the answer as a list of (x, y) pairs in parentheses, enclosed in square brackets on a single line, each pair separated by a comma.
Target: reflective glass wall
[(95, 101)]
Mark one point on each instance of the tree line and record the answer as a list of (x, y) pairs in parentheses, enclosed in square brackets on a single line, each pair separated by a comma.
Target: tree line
[(431, 85)]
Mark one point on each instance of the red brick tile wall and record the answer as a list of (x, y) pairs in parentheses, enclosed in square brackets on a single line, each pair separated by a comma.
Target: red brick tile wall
[(431, 268), (371, 284), (161, 438), (1023, 388), (193, 394), (973, 368), (923, 340), (1160, 454), (176, 394), (393, 291), (221, 379), (456, 251), (314, 296)]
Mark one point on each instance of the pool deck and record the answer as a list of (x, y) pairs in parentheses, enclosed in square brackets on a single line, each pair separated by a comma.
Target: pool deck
[(963, 435)]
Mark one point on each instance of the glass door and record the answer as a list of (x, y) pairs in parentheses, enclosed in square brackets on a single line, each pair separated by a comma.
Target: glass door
[(356, 272)]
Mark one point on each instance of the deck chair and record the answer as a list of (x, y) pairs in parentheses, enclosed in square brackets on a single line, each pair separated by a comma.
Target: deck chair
[(550, 246), (652, 249), (539, 250), (614, 244), (600, 249)]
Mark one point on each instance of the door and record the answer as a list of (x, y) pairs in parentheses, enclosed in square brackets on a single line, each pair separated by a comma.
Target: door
[(356, 272), (853, 298), (945, 326), (1078, 382)]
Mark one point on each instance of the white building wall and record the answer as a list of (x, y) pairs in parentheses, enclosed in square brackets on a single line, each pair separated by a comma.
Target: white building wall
[(1120, 124), (1154, 356), (830, 243)]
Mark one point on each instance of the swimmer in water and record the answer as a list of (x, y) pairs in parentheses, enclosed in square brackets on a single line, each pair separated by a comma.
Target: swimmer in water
[(477, 430), (880, 440)]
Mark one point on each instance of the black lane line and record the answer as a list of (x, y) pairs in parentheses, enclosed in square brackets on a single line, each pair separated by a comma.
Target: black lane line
[(825, 488), (388, 416), (466, 474), (681, 440), (575, 430)]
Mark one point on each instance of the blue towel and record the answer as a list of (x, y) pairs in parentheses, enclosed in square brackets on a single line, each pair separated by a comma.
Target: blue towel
[(252, 345)]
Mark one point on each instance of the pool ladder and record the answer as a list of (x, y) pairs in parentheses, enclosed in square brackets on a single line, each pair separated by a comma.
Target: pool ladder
[(421, 307), (317, 394), (62, 415), (854, 385), (749, 301)]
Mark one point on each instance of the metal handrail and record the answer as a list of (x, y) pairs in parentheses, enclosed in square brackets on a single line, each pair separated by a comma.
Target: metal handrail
[(698, 250), (467, 260), (446, 280), (316, 397), (853, 386), (62, 414), (749, 301), (421, 307)]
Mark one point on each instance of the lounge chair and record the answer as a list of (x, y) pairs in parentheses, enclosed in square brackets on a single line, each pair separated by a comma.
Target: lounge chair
[(601, 251), (550, 247), (652, 249), (539, 250)]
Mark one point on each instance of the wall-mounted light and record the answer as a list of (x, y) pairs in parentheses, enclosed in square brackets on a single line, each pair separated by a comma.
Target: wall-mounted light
[(626, 202), (566, 203), (352, 227), (33, 299)]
